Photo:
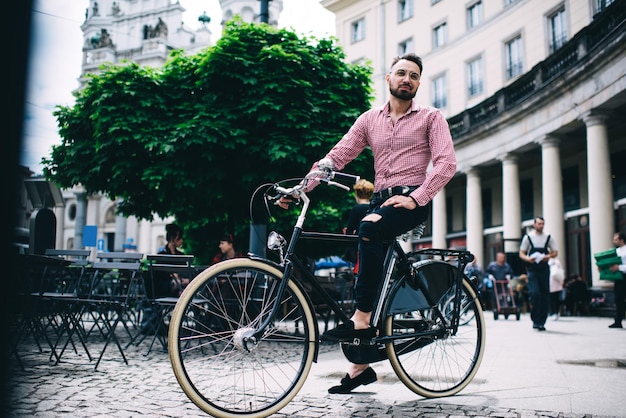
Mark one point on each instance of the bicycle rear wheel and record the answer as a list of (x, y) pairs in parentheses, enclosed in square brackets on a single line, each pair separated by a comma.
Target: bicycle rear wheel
[(439, 364), (212, 364)]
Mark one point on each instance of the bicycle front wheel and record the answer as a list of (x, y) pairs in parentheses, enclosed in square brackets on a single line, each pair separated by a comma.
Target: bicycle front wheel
[(431, 360), (217, 368)]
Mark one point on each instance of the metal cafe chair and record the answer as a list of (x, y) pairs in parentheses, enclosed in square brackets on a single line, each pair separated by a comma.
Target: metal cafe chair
[(116, 283), (170, 268), (35, 317), (46, 286), (60, 289)]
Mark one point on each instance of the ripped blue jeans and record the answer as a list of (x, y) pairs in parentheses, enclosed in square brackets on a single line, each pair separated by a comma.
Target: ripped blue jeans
[(372, 250)]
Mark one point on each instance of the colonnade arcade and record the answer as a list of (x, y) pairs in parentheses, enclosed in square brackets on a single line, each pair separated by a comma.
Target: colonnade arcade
[(565, 176)]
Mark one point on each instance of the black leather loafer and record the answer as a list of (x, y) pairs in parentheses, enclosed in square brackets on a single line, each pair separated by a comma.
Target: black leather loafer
[(346, 332), (348, 385)]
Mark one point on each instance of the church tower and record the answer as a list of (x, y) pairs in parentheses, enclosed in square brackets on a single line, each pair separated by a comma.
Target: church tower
[(250, 10), (143, 31), (146, 31)]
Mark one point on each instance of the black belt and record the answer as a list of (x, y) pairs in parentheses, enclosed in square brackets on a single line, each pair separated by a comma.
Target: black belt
[(393, 191)]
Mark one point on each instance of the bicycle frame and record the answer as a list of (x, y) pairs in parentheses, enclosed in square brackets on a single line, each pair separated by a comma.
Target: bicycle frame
[(395, 257)]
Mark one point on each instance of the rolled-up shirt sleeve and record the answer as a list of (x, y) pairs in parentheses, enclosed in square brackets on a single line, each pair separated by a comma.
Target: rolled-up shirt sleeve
[(443, 161)]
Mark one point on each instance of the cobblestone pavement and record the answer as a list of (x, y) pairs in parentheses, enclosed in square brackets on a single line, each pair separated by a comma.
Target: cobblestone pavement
[(574, 369)]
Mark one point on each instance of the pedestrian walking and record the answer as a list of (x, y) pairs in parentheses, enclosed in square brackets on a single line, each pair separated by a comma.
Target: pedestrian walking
[(619, 239), (557, 294), (535, 250)]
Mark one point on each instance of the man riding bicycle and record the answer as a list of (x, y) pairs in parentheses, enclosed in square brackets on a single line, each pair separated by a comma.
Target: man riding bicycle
[(405, 138)]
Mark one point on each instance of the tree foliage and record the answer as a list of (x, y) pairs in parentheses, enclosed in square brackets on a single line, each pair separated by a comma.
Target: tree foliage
[(195, 138)]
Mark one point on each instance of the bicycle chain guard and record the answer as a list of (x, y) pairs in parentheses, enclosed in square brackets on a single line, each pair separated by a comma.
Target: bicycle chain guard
[(364, 353)]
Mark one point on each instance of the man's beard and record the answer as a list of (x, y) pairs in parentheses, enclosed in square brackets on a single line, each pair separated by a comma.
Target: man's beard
[(402, 94)]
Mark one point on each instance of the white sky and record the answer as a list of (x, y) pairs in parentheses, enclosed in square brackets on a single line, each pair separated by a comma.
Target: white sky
[(55, 58)]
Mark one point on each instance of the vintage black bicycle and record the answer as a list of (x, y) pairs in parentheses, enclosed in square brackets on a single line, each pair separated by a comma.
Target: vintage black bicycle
[(244, 333)]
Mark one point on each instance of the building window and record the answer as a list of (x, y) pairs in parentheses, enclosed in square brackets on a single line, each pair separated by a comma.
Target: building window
[(358, 30), (474, 15), (618, 172), (449, 216), (557, 27), (571, 188), (109, 241), (440, 35), (600, 5), (486, 201), (526, 195), (110, 215), (440, 100), (406, 46), (71, 213), (514, 57), (405, 10), (475, 77)]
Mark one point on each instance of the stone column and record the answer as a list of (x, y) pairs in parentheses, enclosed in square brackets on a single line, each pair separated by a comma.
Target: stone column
[(81, 218), (552, 193), (474, 215), (132, 231), (146, 244), (60, 236), (93, 215), (439, 220), (120, 230), (600, 188), (511, 208)]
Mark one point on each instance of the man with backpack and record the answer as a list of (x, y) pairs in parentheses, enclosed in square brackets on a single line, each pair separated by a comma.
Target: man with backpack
[(535, 250)]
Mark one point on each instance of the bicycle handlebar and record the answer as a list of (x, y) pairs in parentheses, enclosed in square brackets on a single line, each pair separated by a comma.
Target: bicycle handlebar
[(327, 166), (324, 175)]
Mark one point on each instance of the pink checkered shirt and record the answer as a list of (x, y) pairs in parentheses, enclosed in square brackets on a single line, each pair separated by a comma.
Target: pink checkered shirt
[(402, 152)]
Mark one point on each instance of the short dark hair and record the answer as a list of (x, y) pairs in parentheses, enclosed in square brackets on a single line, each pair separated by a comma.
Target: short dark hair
[(173, 231), (228, 238), (621, 236), (410, 56)]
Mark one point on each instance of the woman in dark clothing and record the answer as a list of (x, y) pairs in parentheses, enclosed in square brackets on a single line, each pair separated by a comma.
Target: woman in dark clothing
[(172, 284), (163, 284)]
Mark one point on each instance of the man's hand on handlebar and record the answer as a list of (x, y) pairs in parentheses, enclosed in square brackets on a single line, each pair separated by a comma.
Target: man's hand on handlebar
[(285, 201)]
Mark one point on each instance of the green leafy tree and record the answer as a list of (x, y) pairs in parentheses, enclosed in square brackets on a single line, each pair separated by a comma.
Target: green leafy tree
[(195, 138)]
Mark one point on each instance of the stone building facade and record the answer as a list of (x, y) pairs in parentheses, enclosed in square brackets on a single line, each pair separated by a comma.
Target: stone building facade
[(534, 92)]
